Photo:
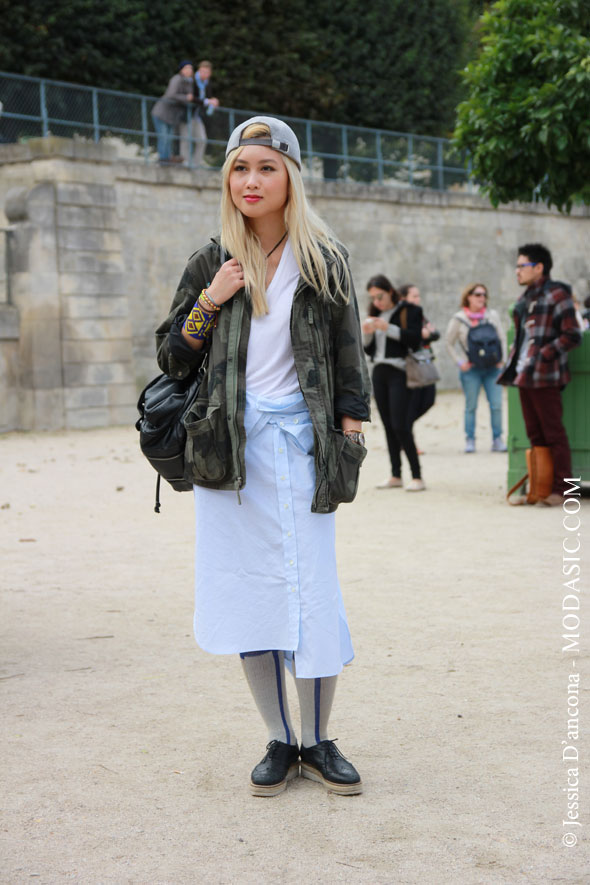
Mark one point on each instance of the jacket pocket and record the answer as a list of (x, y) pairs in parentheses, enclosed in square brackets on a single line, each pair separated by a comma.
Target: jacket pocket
[(206, 444), (344, 463)]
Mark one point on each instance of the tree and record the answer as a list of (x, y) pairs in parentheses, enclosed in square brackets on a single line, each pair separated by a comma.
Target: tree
[(388, 64), (526, 122)]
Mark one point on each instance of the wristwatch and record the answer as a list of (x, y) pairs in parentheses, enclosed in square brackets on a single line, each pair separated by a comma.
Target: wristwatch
[(356, 436)]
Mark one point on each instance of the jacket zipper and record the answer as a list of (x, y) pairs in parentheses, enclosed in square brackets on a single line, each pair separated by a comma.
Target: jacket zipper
[(315, 349), (232, 385)]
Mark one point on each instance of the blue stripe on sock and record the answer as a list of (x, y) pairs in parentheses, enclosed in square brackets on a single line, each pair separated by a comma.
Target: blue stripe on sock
[(316, 698), (275, 655)]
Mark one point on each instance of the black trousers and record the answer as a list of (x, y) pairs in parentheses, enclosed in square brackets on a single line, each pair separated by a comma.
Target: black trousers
[(397, 410)]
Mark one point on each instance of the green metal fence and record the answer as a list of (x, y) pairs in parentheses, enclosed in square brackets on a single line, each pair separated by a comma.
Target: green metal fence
[(33, 107)]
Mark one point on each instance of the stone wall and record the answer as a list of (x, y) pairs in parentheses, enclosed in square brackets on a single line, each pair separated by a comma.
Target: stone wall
[(97, 246)]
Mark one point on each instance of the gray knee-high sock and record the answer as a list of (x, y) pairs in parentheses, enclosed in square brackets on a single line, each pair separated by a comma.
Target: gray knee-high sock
[(265, 674), (315, 705)]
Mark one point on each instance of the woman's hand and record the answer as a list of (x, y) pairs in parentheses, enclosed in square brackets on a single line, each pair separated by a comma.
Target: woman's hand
[(427, 330), (465, 366), (349, 423), (368, 325), (381, 324), (226, 282)]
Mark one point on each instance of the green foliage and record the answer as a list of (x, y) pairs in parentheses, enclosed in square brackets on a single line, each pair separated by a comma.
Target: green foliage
[(109, 44), (388, 63), (526, 122)]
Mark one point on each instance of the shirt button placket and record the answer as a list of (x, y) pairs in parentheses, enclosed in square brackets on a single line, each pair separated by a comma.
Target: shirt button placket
[(287, 529)]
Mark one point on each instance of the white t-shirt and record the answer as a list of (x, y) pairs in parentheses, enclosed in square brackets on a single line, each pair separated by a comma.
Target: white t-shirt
[(270, 366)]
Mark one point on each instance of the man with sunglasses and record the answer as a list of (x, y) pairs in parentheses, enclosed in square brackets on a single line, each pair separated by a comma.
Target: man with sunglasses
[(545, 329)]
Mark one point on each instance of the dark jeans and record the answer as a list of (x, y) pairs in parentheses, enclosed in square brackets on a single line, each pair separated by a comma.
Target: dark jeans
[(165, 134), (542, 410), (394, 402)]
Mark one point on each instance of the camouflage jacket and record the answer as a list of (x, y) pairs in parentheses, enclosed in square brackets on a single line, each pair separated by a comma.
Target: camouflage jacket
[(330, 364)]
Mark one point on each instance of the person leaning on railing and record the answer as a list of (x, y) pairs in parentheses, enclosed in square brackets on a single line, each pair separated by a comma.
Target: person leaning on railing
[(193, 135), (170, 109)]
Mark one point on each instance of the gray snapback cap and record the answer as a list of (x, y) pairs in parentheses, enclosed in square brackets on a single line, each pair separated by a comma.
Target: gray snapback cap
[(281, 139)]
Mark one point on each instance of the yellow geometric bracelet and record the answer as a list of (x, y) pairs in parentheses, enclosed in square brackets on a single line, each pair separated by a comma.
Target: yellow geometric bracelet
[(199, 323)]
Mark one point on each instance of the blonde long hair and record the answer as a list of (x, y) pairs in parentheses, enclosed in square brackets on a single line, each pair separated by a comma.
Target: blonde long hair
[(319, 258)]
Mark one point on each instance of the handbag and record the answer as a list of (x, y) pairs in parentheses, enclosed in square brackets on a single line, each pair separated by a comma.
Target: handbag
[(539, 462), (162, 406), (420, 369)]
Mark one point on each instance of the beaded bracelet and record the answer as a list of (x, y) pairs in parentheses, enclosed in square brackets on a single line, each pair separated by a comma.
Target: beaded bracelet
[(209, 301), (200, 323)]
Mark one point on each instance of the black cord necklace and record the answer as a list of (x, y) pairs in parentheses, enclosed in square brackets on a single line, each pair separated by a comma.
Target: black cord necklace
[(276, 246)]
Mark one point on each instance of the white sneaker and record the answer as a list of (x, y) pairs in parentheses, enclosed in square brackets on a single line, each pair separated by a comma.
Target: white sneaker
[(394, 482), (416, 485)]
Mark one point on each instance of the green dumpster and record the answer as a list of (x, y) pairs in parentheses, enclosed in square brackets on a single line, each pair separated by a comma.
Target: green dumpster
[(576, 417)]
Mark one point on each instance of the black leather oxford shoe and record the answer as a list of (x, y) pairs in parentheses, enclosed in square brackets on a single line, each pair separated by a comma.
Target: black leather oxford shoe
[(281, 764), (325, 763)]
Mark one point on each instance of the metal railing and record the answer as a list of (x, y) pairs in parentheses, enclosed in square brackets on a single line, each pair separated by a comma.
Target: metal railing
[(33, 107)]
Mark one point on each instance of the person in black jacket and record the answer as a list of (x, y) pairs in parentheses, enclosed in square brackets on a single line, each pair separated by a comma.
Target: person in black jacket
[(393, 327)]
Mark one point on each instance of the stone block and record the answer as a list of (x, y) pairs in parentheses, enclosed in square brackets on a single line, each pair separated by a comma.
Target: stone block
[(94, 307), (9, 389), (9, 409), (88, 239), (102, 218), (80, 330), (9, 323), (47, 410), (122, 395), (73, 261), (69, 148), (125, 414), (86, 194), (92, 283), (83, 419), (85, 397), (40, 353), (118, 350), (79, 375), (34, 292), (27, 203)]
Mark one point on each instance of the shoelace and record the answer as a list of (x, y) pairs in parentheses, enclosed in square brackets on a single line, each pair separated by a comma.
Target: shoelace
[(272, 747), (333, 749)]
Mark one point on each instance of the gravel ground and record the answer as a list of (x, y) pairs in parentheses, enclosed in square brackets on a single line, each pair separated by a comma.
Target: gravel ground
[(127, 750)]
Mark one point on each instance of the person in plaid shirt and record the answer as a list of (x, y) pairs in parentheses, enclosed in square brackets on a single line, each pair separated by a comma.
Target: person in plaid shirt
[(545, 329)]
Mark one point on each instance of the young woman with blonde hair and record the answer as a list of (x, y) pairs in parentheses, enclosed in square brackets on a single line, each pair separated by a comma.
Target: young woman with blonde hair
[(274, 444)]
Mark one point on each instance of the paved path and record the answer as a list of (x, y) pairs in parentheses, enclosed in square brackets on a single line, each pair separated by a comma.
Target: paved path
[(127, 750)]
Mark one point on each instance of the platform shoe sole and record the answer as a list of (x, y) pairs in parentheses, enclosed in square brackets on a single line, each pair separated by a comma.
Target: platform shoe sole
[(313, 774), (275, 789)]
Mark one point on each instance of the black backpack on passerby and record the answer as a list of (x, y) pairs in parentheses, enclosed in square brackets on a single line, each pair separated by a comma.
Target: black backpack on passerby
[(484, 349)]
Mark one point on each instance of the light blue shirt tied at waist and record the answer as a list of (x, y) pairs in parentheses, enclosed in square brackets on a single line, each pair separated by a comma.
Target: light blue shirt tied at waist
[(276, 585)]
